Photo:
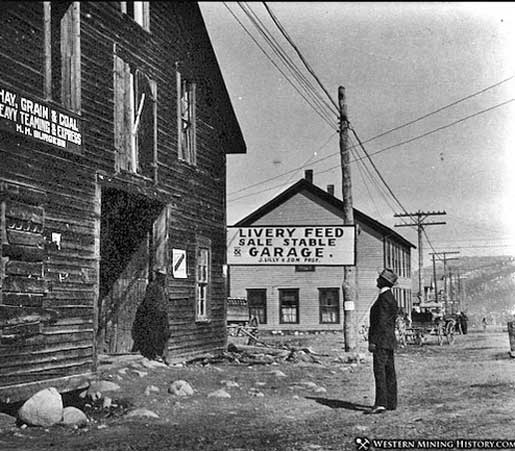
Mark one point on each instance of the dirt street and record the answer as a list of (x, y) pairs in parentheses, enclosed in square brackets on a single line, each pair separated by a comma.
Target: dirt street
[(464, 390)]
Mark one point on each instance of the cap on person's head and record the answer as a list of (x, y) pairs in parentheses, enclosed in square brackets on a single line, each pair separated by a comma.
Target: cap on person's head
[(389, 276)]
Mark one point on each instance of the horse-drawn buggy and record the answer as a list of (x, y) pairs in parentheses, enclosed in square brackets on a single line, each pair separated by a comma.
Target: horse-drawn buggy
[(429, 320)]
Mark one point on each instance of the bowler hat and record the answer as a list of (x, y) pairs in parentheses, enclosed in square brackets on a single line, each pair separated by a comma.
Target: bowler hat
[(389, 276)]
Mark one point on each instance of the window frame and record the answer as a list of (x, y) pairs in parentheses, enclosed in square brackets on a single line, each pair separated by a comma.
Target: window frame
[(261, 318), (186, 137), (297, 306), (203, 281), (130, 104), (321, 292), (140, 15), (65, 51)]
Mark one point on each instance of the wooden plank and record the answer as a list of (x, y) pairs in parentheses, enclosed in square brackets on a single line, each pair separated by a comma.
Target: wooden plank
[(13, 267), (16, 392), (26, 212), (24, 238), (15, 363), (22, 284), (19, 314), (29, 300), (24, 253)]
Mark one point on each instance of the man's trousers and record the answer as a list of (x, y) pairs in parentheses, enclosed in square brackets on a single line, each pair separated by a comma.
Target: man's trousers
[(386, 381)]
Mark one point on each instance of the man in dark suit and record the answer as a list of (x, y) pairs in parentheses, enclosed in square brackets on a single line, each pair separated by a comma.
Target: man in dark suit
[(381, 342)]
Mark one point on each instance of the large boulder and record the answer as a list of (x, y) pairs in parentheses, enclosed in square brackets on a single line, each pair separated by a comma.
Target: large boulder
[(74, 417), (45, 408)]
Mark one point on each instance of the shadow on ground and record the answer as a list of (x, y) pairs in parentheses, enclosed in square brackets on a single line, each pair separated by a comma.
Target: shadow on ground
[(335, 403)]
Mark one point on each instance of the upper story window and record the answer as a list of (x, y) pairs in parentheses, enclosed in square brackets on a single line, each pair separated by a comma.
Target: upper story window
[(62, 76), (186, 120), (135, 120), (139, 11)]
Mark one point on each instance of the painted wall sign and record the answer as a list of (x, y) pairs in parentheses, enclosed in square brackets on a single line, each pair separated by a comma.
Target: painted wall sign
[(291, 245), (40, 121), (179, 263)]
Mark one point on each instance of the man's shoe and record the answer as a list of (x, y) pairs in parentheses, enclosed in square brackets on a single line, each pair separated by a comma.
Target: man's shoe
[(377, 410)]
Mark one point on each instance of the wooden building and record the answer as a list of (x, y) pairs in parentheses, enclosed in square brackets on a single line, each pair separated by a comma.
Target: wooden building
[(309, 297), (114, 126)]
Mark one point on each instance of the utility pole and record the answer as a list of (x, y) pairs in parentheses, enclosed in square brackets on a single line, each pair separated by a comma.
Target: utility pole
[(434, 279), (418, 221), (444, 254), (349, 283)]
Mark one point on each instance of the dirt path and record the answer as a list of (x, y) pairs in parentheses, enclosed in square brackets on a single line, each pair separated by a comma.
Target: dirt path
[(466, 390)]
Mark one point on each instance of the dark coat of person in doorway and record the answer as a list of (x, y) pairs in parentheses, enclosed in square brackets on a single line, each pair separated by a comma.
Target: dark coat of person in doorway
[(382, 343), (151, 328)]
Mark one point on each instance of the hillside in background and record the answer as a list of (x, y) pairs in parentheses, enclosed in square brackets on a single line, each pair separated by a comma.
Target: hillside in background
[(487, 286)]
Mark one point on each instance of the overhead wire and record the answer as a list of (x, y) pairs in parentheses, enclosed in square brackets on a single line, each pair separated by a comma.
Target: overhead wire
[(411, 122), (287, 60), (317, 110), (299, 53)]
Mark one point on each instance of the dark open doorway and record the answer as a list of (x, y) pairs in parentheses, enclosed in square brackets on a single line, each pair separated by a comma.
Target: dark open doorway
[(127, 254)]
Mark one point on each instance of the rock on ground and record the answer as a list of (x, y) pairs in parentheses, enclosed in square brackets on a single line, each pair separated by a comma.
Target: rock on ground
[(7, 421), (45, 408), (102, 386), (73, 416), (180, 388), (220, 393), (142, 412)]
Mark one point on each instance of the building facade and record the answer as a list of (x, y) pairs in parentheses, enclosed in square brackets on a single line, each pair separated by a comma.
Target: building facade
[(309, 297), (115, 123)]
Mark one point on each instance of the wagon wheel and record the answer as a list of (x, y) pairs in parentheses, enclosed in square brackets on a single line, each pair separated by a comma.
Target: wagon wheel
[(449, 332)]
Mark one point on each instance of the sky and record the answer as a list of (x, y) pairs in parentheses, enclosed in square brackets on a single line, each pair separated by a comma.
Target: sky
[(398, 62)]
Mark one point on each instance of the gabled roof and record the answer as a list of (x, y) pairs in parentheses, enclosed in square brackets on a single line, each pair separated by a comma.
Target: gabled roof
[(304, 184)]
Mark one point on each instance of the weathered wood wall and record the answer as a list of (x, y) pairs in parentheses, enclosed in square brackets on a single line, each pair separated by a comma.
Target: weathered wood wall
[(59, 192)]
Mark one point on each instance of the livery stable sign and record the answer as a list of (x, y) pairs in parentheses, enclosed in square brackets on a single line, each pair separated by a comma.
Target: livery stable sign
[(40, 121), (291, 245)]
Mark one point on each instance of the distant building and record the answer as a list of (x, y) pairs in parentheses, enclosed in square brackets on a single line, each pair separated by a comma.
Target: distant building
[(309, 297), (115, 123)]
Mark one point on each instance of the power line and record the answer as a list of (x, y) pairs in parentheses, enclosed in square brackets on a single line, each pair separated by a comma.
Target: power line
[(445, 107), (283, 174), (285, 58), (308, 67), (438, 129), (321, 114), (418, 137)]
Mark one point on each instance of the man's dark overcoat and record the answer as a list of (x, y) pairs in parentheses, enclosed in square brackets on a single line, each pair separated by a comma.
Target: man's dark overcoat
[(382, 321)]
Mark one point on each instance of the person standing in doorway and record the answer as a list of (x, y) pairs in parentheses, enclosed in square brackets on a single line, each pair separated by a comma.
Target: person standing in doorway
[(381, 343), (151, 328)]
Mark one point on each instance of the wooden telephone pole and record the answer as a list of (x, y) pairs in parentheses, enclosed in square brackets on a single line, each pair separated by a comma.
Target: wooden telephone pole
[(349, 283), (444, 254), (418, 221)]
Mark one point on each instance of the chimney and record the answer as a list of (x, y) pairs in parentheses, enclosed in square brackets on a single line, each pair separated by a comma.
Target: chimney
[(308, 175), (330, 189)]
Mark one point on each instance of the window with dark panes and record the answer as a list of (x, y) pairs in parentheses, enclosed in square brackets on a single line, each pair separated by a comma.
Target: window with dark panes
[(256, 299), (289, 305), (329, 299), (186, 119), (135, 113), (62, 73)]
